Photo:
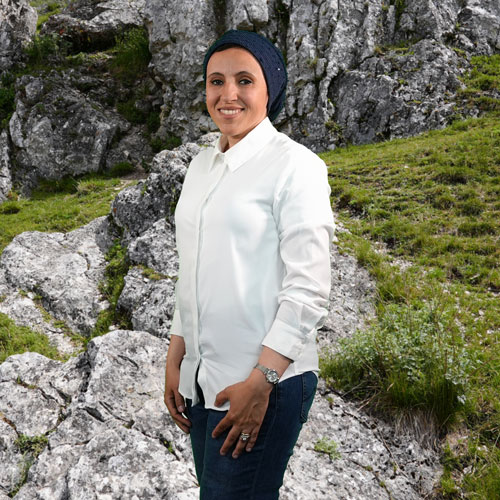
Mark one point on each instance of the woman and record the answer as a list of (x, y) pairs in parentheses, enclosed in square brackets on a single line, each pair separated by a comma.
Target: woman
[(253, 229)]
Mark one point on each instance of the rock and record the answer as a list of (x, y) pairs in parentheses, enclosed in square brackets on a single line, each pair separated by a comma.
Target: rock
[(64, 270), (137, 208), (17, 26), (330, 47), (369, 461), (377, 101), (91, 25), (5, 176), (149, 303), (115, 439), (24, 310), (57, 131)]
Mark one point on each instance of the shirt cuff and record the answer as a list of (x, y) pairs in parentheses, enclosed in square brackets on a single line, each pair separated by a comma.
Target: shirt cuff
[(176, 327), (285, 338)]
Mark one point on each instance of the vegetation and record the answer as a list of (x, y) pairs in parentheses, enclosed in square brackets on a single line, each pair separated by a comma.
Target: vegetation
[(329, 447), (30, 447), (430, 202), (7, 95), (131, 54), (116, 270), (18, 339), (60, 205)]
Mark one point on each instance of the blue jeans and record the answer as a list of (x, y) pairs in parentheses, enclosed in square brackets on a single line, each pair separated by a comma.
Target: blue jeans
[(257, 475)]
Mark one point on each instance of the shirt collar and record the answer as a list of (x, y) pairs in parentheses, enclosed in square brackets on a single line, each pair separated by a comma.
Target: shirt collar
[(251, 144)]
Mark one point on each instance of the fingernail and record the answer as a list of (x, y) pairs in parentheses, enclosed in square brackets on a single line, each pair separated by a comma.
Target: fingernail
[(249, 450), (180, 409)]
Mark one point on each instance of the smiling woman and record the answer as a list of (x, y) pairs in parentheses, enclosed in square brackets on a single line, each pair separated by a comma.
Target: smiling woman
[(253, 230), (236, 93)]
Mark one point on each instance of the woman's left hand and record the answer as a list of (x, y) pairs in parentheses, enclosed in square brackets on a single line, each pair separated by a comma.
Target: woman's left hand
[(248, 405)]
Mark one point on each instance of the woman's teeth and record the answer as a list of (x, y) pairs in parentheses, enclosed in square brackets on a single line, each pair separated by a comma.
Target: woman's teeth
[(230, 111)]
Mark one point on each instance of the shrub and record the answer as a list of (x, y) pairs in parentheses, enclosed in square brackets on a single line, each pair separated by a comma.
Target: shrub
[(132, 54), (411, 359)]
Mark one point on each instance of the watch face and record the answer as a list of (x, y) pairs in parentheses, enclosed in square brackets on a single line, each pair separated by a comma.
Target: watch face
[(272, 376)]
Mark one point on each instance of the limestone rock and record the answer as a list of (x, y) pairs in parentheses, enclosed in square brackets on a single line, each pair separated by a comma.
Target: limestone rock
[(150, 303), (25, 310), (368, 462), (115, 439), (5, 176), (17, 26), (91, 25), (57, 131), (64, 270), (377, 101), (138, 207), (330, 47)]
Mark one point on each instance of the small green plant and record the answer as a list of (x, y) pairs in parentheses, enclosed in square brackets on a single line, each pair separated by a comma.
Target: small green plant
[(120, 169), (30, 447), (169, 142), (132, 54), (16, 339), (329, 447), (111, 288), (44, 50), (410, 359), (7, 99)]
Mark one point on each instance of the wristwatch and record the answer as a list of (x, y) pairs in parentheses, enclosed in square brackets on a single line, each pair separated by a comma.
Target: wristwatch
[(271, 375)]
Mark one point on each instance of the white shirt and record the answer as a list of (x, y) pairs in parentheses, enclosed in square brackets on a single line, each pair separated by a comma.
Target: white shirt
[(253, 233)]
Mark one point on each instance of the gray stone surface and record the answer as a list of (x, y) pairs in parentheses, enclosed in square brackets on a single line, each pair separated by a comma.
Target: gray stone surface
[(63, 270), (138, 207), (91, 25), (333, 56), (5, 167), (114, 439), (58, 131), (17, 26), (111, 436), (150, 303)]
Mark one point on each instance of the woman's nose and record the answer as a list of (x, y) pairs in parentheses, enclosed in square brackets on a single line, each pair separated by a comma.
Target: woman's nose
[(229, 92)]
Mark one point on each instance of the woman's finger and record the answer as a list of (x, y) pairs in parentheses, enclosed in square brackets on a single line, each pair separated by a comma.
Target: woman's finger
[(240, 444), (231, 439), (252, 439)]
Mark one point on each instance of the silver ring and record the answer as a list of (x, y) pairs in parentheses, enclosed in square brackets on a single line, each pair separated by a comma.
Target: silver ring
[(244, 436)]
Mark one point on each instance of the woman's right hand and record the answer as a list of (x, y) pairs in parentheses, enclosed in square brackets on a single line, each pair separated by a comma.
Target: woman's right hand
[(173, 399)]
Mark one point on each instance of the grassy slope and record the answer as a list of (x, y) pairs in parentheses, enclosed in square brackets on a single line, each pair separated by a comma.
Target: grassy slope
[(431, 202)]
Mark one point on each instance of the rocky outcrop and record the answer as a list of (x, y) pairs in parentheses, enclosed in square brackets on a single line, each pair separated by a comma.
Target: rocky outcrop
[(109, 434), (57, 131), (17, 26), (62, 270), (93, 25), (5, 167), (336, 52)]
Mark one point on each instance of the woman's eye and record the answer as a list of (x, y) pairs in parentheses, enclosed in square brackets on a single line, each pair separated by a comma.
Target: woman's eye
[(216, 82), (245, 81)]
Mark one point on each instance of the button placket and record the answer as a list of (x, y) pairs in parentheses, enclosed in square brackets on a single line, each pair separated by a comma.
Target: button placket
[(208, 195)]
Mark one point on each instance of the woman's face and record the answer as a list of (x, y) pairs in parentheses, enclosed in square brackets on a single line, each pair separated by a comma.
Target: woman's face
[(236, 93)]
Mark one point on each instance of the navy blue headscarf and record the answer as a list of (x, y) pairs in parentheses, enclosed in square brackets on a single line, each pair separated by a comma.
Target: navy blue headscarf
[(270, 59)]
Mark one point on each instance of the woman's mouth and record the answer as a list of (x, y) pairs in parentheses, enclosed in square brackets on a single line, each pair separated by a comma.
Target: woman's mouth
[(230, 112)]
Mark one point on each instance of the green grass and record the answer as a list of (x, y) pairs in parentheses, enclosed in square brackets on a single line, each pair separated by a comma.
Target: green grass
[(131, 54), (18, 339), (430, 201), (58, 206)]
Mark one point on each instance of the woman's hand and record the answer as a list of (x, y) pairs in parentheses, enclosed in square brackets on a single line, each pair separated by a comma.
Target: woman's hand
[(173, 399), (248, 405)]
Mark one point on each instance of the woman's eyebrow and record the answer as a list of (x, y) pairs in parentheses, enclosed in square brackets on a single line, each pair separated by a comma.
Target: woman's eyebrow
[(243, 72)]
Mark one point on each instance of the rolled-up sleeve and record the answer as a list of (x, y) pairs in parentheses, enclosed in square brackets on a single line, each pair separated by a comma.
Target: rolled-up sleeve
[(305, 224), (176, 327)]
